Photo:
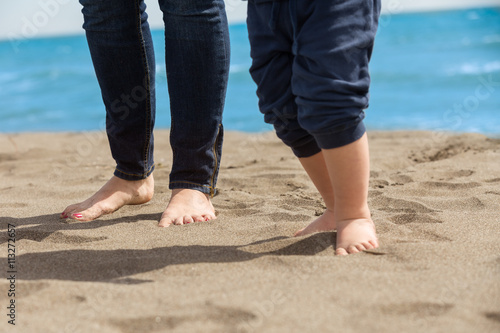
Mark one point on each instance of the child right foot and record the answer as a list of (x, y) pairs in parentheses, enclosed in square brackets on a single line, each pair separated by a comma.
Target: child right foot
[(355, 235)]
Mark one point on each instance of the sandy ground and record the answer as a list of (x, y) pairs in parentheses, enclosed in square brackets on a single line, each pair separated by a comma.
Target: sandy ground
[(435, 199)]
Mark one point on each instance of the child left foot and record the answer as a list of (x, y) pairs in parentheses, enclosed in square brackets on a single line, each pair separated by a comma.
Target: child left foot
[(325, 222), (355, 235)]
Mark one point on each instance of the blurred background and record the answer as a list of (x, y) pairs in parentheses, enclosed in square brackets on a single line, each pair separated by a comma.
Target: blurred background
[(436, 66)]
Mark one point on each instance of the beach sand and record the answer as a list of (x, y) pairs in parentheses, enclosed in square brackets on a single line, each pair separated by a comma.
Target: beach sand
[(435, 199)]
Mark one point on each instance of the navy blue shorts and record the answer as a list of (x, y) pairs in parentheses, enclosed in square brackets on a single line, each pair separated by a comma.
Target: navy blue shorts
[(310, 62)]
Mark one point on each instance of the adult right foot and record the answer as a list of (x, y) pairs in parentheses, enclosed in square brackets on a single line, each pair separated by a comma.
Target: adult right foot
[(187, 206), (115, 194)]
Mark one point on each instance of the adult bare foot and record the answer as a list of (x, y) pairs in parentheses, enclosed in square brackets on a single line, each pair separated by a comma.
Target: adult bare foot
[(115, 194), (355, 235), (187, 206), (325, 222)]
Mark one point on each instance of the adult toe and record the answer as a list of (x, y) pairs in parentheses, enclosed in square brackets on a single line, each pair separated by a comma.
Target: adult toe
[(187, 219)]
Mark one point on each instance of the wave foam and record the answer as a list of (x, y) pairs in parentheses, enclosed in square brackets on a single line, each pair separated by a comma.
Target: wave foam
[(475, 68)]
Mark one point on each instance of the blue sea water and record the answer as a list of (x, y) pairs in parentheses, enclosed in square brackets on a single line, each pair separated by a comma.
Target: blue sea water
[(432, 71)]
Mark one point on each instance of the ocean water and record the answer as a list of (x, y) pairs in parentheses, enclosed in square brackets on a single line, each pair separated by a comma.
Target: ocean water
[(430, 71)]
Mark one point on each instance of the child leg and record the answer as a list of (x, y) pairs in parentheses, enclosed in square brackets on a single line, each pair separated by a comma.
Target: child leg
[(343, 171), (313, 83), (349, 170), (331, 80), (316, 169)]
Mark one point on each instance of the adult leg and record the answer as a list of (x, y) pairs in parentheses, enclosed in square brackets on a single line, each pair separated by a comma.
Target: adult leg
[(122, 53), (197, 62)]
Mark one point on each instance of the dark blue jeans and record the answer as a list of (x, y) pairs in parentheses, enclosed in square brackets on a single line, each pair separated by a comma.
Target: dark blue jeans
[(310, 62), (197, 62)]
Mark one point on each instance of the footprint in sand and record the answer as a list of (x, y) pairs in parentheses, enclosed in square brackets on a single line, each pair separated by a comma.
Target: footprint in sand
[(421, 309), (239, 205), (242, 212), (30, 288), (294, 203), (274, 176), (13, 205), (388, 204), (448, 186), (7, 157), (225, 318), (402, 179), (286, 217), (393, 180), (493, 316), (461, 204), (378, 183), (291, 246), (460, 173), (56, 237), (27, 289), (413, 218), (447, 150), (426, 235), (7, 188)]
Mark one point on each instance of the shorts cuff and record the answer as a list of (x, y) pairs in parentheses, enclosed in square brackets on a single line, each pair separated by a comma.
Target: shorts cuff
[(338, 139), (309, 149)]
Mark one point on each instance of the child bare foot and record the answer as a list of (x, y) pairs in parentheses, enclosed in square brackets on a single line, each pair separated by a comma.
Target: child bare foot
[(353, 236), (326, 222), (115, 194), (356, 235), (187, 206)]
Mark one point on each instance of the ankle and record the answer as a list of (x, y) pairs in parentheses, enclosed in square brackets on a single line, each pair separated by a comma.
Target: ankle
[(190, 192), (143, 188), (352, 213)]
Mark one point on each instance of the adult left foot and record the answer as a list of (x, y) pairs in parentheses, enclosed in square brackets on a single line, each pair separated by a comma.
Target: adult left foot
[(115, 194), (187, 206), (355, 235)]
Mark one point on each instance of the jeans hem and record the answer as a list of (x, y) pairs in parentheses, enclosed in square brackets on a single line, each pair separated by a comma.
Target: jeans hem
[(130, 176), (206, 189)]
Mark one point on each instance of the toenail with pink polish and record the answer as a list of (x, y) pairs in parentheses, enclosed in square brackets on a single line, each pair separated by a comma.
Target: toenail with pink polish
[(78, 215)]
